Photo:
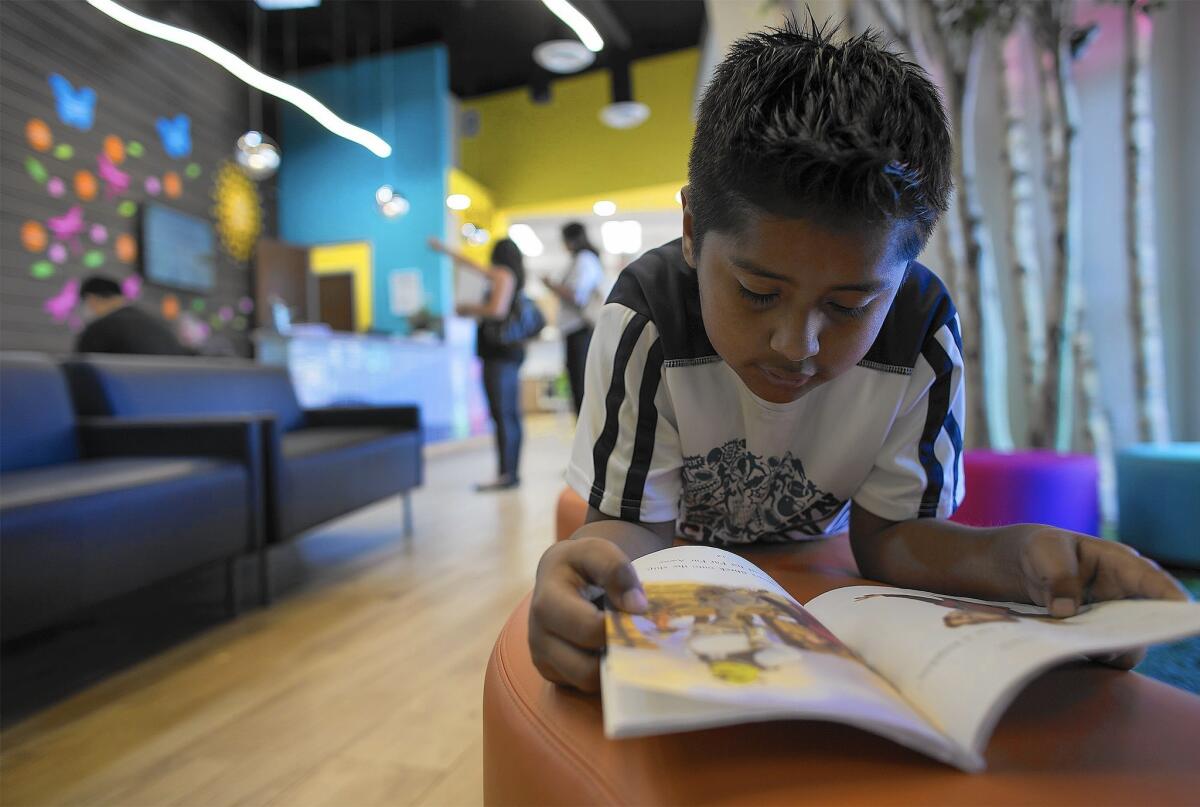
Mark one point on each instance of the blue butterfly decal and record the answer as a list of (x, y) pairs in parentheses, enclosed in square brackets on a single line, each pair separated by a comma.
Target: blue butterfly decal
[(176, 135), (75, 107)]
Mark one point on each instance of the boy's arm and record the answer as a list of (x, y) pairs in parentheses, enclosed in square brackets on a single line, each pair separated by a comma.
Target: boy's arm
[(1055, 568)]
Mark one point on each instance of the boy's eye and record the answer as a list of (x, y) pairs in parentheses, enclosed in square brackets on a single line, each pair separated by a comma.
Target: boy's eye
[(756, 299), (852, 313)]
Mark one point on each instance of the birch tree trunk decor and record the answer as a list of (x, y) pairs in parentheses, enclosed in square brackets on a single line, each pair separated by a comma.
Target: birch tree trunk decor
[(1053, 32), (1028, 314), (1149, 373), (946, 34), (1058, 373)]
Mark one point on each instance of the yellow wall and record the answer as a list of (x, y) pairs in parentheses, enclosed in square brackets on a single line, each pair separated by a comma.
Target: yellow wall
[(532, 155), (353, 257)]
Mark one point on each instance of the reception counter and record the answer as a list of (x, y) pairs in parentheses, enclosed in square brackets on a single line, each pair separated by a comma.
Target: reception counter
[(340, 369)]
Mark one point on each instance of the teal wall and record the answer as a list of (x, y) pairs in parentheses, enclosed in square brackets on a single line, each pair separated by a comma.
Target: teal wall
[(327, 184)]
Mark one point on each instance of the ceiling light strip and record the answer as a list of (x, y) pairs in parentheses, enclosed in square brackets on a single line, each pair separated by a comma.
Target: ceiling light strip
[(260, 81), (578, 23)]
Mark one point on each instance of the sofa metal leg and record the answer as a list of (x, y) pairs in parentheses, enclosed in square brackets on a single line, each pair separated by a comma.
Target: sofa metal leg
[(232, 593), (264, 578), (408, 514)]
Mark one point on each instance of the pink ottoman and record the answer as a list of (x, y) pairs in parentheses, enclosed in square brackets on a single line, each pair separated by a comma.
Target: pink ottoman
[(1042, 487)]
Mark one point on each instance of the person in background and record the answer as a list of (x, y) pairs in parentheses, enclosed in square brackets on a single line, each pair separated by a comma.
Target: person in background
[(118, 326), (583, 279), (501, 363)]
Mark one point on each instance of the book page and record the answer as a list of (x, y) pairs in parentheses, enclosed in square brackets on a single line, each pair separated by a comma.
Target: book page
[(723, 643), (962, 661)]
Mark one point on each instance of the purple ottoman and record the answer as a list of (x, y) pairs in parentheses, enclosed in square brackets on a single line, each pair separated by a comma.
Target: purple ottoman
[(1042, 487)]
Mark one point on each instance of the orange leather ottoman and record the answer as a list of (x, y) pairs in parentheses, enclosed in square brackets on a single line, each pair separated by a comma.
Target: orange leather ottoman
[(1084, 734)]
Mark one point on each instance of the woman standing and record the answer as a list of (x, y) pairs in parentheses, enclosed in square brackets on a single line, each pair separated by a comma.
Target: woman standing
[(501, 363), (583, 279)]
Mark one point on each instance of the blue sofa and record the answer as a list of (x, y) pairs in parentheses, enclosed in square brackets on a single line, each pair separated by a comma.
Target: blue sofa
[(320, 463), (93, 508)]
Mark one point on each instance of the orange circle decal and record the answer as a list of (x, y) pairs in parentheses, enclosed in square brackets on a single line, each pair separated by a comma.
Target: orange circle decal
[(126, 248), (85, 186), (114, 149), (170, 307), (38, 134), (33, 236), (172, 185)]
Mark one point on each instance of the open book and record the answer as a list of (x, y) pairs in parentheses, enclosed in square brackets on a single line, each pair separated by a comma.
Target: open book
[(723, 643)]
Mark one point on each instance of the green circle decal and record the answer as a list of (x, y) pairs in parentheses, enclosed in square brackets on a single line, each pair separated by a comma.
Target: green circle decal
[(199, 305), (64, 151), (127, 209), (36, 170), (192, 171), (93, 259), (42, 270), (134, 149)]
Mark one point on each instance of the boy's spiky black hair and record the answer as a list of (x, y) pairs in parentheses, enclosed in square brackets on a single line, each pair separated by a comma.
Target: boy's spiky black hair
[(848, 135)]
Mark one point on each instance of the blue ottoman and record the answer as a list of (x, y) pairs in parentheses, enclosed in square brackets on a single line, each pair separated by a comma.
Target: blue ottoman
[(1158, 488)]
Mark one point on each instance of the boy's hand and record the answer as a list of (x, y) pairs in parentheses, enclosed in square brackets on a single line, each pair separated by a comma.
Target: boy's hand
[(566, 631), (1062, 570)]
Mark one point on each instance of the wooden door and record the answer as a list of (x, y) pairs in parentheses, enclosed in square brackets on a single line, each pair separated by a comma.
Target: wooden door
[(281, 270), (335, 294)]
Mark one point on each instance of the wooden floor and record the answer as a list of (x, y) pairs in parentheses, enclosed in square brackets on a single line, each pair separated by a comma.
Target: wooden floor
[(364, 688)]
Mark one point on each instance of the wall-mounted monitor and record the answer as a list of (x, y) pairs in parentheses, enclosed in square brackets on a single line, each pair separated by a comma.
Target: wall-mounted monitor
[(177, 249)]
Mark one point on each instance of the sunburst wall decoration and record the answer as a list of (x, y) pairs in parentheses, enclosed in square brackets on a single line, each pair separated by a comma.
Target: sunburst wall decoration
[(237, 210)]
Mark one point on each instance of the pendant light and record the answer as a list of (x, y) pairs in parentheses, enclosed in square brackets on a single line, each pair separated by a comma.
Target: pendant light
[(623, 112), (391, 203), (256, 154)]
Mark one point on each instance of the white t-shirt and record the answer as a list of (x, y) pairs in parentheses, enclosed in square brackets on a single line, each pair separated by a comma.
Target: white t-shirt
[(585, 278), (669, 431)]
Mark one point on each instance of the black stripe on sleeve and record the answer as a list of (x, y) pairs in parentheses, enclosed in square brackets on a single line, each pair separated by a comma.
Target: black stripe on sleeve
[(607, 440), (952, 324), (935, 420), (643, 444), (956, 440)]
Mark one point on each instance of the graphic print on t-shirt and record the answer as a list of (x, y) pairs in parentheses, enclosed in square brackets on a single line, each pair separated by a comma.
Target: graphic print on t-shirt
[(732, 492)]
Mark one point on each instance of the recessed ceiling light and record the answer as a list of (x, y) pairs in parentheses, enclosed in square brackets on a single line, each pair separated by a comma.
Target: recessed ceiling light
[(604, 208), (625, 114), (286, 5), (526, 240), (458, 201), (621, 237), (563, 56)]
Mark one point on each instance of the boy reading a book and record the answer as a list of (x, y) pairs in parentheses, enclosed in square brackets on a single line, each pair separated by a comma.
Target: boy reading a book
[(788, 370)]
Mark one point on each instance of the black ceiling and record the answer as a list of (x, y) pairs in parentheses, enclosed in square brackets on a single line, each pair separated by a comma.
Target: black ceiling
[(490, 41)]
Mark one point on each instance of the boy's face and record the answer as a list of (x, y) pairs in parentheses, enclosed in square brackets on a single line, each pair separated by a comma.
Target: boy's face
[(790, 305)]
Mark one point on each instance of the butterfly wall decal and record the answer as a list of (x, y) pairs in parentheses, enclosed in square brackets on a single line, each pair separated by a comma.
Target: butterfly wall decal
[(60, 306), (176, 135), (68, 227), (76, 107), (116, 181)]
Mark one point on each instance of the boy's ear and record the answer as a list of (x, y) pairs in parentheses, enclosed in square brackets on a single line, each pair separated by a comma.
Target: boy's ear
[(689, 254)]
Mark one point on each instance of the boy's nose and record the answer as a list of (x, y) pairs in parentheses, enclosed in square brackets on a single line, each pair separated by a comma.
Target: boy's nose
[(797, 338)]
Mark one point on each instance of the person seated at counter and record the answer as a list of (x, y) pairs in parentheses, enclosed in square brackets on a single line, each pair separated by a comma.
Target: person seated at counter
[(116, 325)]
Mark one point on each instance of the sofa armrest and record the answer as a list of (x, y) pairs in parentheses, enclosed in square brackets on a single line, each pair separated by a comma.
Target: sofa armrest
[(397, 417), (242, 438), (235, 437)]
